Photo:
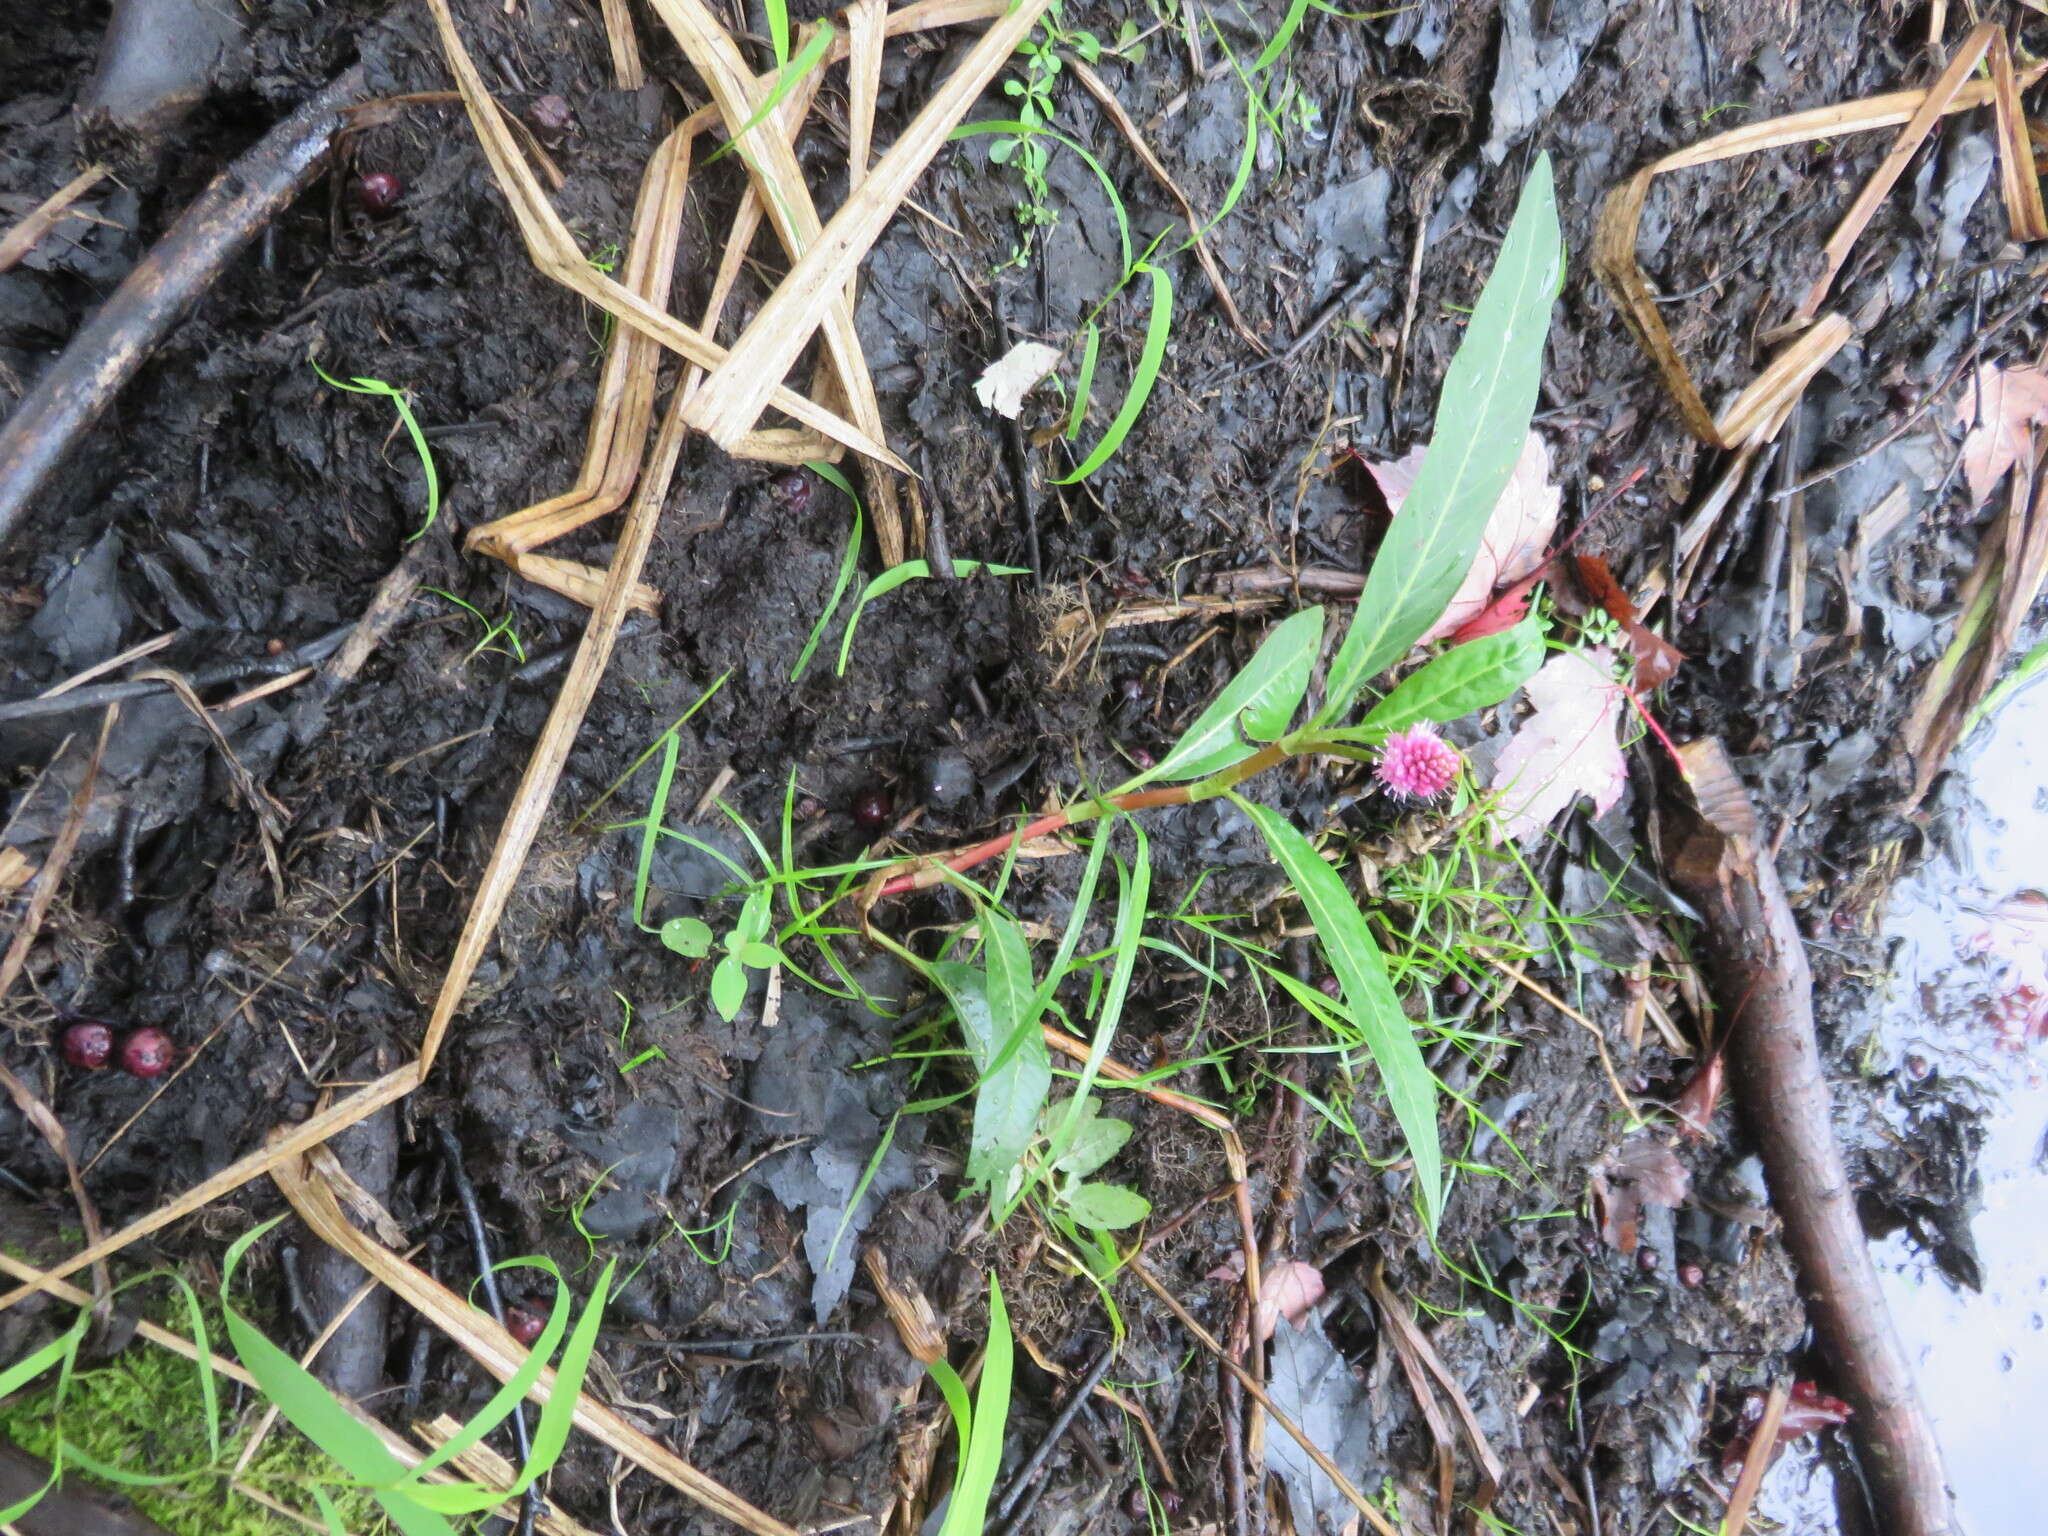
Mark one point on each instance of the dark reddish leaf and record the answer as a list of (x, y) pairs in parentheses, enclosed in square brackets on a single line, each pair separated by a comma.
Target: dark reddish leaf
[(1657, 659), (1702, 1096), (1507, 609), (1807, 1409)]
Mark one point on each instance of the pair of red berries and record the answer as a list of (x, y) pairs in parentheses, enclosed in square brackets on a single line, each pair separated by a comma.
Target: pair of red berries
[(145, 1052)]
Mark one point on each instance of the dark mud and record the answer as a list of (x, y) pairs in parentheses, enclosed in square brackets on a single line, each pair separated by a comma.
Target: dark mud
[(236, 499)]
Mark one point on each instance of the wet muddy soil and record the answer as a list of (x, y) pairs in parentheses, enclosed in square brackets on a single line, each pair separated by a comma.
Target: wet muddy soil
[(602, 1106)]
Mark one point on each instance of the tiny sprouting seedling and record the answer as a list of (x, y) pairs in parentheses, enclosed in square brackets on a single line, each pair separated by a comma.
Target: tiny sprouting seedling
[(647, 1053), (498, 634), (402, 401), (896, 576), (849, 561), (745, 944), (980, 1425)]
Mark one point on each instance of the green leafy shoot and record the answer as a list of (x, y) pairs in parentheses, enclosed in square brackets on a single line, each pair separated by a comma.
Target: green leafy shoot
[(778, 28), (1483, 414), (402, 401), (787, 74), (1030, 133), (981, 1426), (849, 560), (896, 576), (2031, 666), (652, 824), (1257, 703)]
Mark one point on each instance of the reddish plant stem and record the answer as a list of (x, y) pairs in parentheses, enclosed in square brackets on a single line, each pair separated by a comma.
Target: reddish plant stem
[(927, 872)]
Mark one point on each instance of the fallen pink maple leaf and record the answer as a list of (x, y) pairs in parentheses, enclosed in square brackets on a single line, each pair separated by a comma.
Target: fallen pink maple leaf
[(1517, 537), (1569, 747), (2012, 401), (1287, 1290)]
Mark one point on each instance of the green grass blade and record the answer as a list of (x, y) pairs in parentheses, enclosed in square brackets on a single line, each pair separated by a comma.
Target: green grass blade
[(1289, 25), (651, 828), (786, 77), (896, 576), (1483, 412), (312, 1410), (1158, 328), (557, 1414), (1369, 1000), (2029, 668), (513, 1390), (849, 560), (881, 586), (981, 1456), (1134, 895), (778, 29), (412, 429), (1085, 380)]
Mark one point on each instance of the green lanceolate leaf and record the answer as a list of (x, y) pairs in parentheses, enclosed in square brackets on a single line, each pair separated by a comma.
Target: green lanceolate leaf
[(1158, 328), (981, 1429), (1107, 1207), (1369, 1000), (1488, 396), (1265, 695), (1005, 1044), (728, 987), (1475, 675), (1095, 1141)]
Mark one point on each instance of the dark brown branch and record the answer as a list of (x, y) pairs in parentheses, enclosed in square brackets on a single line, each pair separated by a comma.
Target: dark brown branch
[(1761, 975), (111, 346)]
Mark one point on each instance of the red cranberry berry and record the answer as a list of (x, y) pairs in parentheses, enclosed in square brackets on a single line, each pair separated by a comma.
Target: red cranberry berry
[(1329, 986), (523, 1325), (147, 1053), (872, 809), (1131, 688), (88, 1044), (379, 193), (1647, 1260), (1691, 1276), (1141, 759), (792, 488)]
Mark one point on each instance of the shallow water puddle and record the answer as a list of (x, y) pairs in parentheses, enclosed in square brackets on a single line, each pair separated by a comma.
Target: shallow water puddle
[(1967, 939)]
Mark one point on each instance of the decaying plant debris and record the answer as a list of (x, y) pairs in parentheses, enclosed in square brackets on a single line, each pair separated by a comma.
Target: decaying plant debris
[(1253, 1433)]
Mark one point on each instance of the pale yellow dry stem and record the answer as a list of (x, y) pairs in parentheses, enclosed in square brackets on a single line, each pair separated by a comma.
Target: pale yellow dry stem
[(1763, 1446), (627, 72), (43, 218), (1614, 246), (2018, 179), (578, 582), (743, 383), (778, 182), (487, 1342), (1893, 166), (1757, 414), (558, 257), (1257, 1393), (625, 393)]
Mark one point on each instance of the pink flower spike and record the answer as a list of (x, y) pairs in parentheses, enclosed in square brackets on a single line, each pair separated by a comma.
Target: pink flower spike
[(1418, 764)]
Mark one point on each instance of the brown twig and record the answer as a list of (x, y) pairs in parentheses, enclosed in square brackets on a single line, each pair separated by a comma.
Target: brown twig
[(1716, 854), (39, 221), (111, 346)]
